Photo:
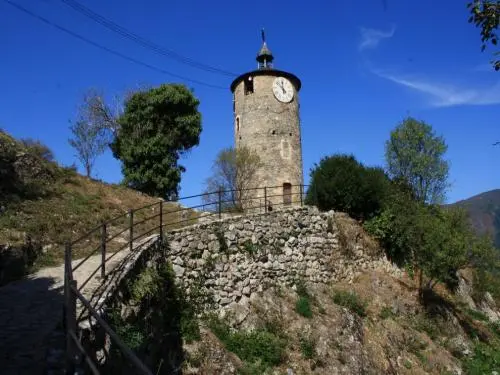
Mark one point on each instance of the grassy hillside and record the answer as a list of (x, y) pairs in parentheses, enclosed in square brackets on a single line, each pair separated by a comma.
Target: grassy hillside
[(484, 211), (43, 205)]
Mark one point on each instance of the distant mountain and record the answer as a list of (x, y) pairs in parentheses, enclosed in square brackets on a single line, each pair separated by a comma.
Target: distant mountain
[(484, 211)]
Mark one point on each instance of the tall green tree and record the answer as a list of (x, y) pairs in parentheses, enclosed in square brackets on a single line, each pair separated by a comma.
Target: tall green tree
[(485, 14), (340, 182), (156, 128), (415, 155)]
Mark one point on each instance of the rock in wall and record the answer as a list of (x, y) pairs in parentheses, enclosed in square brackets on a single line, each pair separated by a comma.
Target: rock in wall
[(233, 258)]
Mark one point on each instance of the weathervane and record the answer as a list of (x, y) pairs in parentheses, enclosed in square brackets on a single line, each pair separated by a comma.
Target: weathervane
[(263, 36)]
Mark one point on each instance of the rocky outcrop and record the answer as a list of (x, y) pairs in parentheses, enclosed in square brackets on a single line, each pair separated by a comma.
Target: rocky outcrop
[(235, 257)]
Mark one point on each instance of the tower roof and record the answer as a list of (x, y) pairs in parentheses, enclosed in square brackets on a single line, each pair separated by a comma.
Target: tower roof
[(265, 56)]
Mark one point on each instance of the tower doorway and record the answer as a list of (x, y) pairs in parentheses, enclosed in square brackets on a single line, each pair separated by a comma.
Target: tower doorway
[(287, 193)]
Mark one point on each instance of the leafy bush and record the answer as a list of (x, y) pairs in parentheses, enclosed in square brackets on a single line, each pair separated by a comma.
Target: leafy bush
[(432, 326), (38, 148), (260, 349), (351, 301), (486, 359), (386, 313), (342, 183), (307, 347), (303, 307), (301, 287)]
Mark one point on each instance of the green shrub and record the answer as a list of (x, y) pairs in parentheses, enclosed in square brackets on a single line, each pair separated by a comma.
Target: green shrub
[(303, 307), (433, 327), (342, 183), (485, 360), (307, 347), (259, 349), (351, 301), (386, 313), (477, 315), (301, 287), (250, 248)]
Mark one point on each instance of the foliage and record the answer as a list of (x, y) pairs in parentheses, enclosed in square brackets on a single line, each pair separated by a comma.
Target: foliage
[(386, 313), (307, 347), (435, 241), (485, 14), (234, 171), (486, 261), (342, 183), (303, 307), (485, 360), (38, 148), (351, 301), (156, 128), (164, 317), (25, 171), (428, 324), (303, 303), (89, 142), (259, 348), (414, 155)]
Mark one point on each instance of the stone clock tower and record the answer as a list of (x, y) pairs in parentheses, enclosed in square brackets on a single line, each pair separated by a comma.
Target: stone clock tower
[(266, 120)]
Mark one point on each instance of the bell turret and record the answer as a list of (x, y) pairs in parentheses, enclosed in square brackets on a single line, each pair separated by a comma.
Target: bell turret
[(265, 57)]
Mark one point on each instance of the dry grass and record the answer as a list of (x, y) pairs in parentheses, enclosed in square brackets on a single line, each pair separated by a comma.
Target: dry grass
[(74, 206), (352, 236)]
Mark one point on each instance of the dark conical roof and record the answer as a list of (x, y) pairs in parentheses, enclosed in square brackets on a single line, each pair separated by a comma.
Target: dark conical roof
[(265, 53)]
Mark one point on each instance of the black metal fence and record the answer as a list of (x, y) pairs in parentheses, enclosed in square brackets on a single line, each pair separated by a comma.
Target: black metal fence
[(125, 232)]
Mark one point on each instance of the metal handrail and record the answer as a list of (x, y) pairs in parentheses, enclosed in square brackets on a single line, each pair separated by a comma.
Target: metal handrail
[(72, 292), (130, 354)]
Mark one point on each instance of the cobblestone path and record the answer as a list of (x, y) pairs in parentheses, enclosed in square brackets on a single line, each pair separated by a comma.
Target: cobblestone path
[(31, 313)]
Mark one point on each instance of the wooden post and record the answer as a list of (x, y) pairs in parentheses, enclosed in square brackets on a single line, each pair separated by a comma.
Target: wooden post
[(131, 229), (161, 222), (265, 199), (69, 310), (103, 250), (220, 203)]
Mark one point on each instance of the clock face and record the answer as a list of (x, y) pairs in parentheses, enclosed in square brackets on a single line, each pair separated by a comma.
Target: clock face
[(283, 89)]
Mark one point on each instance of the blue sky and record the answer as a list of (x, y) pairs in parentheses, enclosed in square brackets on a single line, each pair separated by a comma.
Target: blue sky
[(364, 66)]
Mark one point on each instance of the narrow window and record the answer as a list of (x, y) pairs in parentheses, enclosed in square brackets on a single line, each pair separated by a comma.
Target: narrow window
[(273, 132), (248, 86), (237, 124), (287, 193)]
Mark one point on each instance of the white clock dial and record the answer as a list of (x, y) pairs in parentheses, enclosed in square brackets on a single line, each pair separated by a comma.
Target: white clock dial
[(283, 89)]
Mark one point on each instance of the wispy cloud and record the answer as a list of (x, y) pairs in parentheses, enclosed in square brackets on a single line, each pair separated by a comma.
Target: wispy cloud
[(371, 38), (447, 95)]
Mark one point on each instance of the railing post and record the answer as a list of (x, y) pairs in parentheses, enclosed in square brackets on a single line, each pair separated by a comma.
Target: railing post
[(220, 203), (69, 310), (161, 221), (265, 199), (103, 250), (131, 229)]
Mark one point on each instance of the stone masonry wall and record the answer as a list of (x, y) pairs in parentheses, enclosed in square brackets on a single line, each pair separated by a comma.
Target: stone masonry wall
[(272, 129), (233, 258)]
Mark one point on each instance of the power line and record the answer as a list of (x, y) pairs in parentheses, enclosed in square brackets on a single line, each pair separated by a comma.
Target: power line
[(109, 50), (146, 43)]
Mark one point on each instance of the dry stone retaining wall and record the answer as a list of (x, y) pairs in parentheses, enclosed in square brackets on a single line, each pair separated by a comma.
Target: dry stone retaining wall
[(233, 258)]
